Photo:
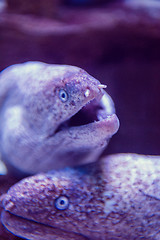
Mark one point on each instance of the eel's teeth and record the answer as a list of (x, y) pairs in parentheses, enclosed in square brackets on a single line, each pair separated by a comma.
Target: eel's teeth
[(87, 92), (102, 86)]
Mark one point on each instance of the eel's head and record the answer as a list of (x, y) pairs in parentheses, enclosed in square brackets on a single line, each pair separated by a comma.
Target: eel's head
[(80, 117), (55, 115), (53, 97), (64, 201), (65, 97)]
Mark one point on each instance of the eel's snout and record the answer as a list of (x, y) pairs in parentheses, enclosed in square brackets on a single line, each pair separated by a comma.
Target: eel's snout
[(26, 197), (10, 202), (8, 205), (109, 125), (97, 110)]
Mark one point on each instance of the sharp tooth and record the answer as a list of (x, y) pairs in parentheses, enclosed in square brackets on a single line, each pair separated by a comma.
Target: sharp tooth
[(87, 92), (102, 86)]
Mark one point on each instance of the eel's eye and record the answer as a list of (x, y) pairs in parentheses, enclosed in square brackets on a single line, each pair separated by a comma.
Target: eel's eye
[(62, 203), (63, 95)]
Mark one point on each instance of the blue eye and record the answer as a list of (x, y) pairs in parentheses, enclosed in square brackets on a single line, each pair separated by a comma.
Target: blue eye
[(63, 95), (62, 203)]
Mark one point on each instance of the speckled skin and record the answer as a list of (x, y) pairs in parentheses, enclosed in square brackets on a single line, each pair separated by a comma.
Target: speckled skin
[(117, 197), (31, 112)]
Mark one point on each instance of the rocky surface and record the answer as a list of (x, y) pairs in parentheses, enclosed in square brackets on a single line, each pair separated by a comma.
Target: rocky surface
[(81, 36)]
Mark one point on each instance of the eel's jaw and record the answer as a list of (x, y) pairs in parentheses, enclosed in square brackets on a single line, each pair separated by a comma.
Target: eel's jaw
[(97, 119), (29, 229), (91, 136)]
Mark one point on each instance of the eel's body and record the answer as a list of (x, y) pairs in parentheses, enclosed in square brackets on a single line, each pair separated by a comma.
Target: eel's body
[(52, 116), (117, 197)]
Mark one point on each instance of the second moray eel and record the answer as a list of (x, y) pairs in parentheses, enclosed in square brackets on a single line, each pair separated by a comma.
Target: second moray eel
[(117, 197)]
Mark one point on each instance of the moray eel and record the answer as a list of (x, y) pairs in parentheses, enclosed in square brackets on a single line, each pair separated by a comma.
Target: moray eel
[(52, 116), (117, 197)]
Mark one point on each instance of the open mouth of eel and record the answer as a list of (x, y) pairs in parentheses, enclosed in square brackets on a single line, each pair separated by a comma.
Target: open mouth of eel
[(94, 112)]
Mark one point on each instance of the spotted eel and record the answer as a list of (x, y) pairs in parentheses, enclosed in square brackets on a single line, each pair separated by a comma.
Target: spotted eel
[(117, 197), (52, 116)]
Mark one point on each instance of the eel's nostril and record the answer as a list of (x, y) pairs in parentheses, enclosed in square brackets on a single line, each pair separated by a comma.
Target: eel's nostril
[(8, 204)]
